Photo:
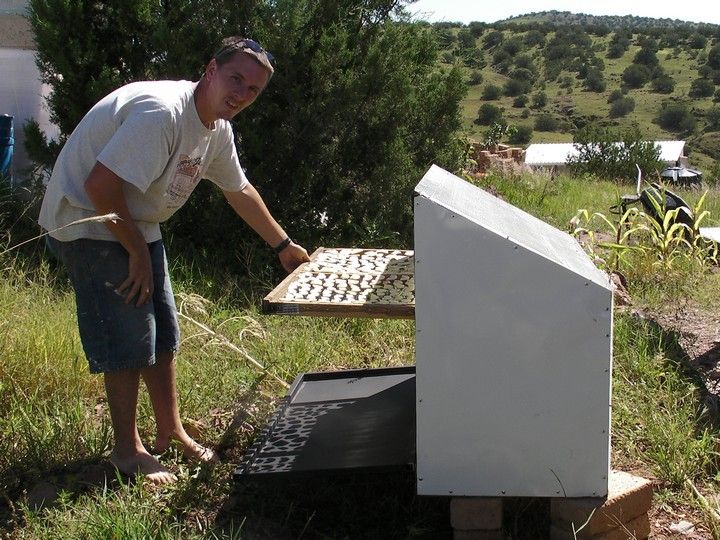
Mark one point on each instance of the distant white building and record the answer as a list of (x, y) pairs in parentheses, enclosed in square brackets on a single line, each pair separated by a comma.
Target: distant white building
[(22, 95), (557, 154)]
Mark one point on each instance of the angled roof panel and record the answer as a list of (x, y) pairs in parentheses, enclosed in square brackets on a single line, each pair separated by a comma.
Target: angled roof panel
[(506, 220)]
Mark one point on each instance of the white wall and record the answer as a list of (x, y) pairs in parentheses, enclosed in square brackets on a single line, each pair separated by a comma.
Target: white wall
[(22, 95)]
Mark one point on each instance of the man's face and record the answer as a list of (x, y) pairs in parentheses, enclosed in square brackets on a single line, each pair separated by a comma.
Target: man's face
[(234, 85)]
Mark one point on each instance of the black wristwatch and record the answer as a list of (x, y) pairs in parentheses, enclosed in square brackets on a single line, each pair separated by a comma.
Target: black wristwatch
[(282, 245)]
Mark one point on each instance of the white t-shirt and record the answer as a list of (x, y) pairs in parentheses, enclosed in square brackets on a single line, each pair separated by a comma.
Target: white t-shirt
[(150, 135)]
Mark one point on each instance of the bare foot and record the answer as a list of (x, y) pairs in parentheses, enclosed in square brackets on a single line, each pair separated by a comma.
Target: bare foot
[(145, 464), (191, 450)]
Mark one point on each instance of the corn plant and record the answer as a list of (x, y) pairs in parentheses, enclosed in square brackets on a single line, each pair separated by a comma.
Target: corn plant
[(611, 254), (638, 233)]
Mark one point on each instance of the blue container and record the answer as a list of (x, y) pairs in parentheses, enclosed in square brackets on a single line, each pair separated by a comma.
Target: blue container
[(7, 142)]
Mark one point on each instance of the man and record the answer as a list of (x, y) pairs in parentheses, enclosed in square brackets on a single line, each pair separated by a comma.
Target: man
[(139, 153)]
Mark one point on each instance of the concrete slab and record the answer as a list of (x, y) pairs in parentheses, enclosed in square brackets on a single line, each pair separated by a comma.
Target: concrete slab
[(635, 529), (629, 497)]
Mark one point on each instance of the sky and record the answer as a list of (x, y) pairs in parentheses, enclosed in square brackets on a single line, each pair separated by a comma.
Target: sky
[(466, 11)]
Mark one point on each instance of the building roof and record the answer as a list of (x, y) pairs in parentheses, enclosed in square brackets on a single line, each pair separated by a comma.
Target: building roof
[(549, 154)]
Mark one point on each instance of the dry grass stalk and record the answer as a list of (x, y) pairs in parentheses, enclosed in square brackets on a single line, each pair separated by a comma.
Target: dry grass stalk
[(94, 219), (230, 345)]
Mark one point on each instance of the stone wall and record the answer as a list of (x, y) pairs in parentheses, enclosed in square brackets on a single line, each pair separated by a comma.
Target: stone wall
[(500, 157)]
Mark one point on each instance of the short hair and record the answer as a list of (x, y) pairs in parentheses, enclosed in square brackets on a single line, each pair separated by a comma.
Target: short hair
[(232, 45)]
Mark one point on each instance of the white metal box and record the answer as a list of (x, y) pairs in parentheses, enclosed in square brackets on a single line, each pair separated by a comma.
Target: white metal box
[(513, 349)]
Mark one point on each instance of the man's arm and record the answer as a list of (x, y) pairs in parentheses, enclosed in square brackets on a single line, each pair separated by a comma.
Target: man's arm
[(248, 204), (105, 190)]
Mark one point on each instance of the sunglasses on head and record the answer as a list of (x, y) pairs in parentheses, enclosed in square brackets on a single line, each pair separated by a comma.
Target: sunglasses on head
[(249, 44)]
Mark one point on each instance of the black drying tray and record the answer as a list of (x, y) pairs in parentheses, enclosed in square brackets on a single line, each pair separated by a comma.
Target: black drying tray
[(345, 420)]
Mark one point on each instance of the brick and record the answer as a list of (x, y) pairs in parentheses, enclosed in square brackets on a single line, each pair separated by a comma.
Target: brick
[(629, 497), (476, 513), (495, 534), (635, 529)]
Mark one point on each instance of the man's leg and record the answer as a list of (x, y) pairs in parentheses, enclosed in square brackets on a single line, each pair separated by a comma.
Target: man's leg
[(128, 454), (160, 380), (118, 339)]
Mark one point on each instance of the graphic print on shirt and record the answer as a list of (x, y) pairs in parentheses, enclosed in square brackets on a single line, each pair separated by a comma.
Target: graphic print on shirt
[(187, 175)]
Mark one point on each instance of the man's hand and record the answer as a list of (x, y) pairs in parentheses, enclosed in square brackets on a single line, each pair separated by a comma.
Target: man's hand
[(105, 190), (293, 256), (139, 282)]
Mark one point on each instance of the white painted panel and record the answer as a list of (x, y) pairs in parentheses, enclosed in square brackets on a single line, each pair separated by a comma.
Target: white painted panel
[(513, 364)]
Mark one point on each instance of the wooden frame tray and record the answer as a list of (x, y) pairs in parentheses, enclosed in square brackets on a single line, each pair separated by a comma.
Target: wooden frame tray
[(348, 282)]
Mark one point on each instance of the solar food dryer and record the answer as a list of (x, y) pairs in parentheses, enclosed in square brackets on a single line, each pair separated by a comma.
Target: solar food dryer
[(510, 394)]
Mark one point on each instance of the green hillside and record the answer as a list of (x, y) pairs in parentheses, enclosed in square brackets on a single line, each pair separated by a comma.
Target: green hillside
[(555, 74)]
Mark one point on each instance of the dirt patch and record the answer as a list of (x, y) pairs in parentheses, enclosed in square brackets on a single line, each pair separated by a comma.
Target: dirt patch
[(698, 335)]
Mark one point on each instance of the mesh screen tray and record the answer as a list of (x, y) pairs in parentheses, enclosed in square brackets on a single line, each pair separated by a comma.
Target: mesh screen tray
[(346, 282), (344, 420)]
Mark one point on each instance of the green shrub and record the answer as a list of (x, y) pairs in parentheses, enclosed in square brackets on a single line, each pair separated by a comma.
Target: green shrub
[(635, 76), (514, 87), (489, 114), (621, 107), (701, 88), (491, 92), (663, 84), (600, 154), (615, 50), (566, 82), (476, 28), (473, 58), (646, 57), (713, 119), (534, 38), (475, 77), (676, 117), (513, 46), (493, 39), (697, 41), (525, 61), (713, 57), (465, 39), (522, 135), (520, 101), (615, 95), (539, 100), (595, 81), (546, 122), (523, 74)]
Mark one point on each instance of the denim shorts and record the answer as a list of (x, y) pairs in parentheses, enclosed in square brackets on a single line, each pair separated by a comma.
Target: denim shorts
[(118, 336)]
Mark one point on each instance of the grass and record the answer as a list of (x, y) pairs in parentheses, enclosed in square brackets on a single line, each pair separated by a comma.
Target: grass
[(55, 423)]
